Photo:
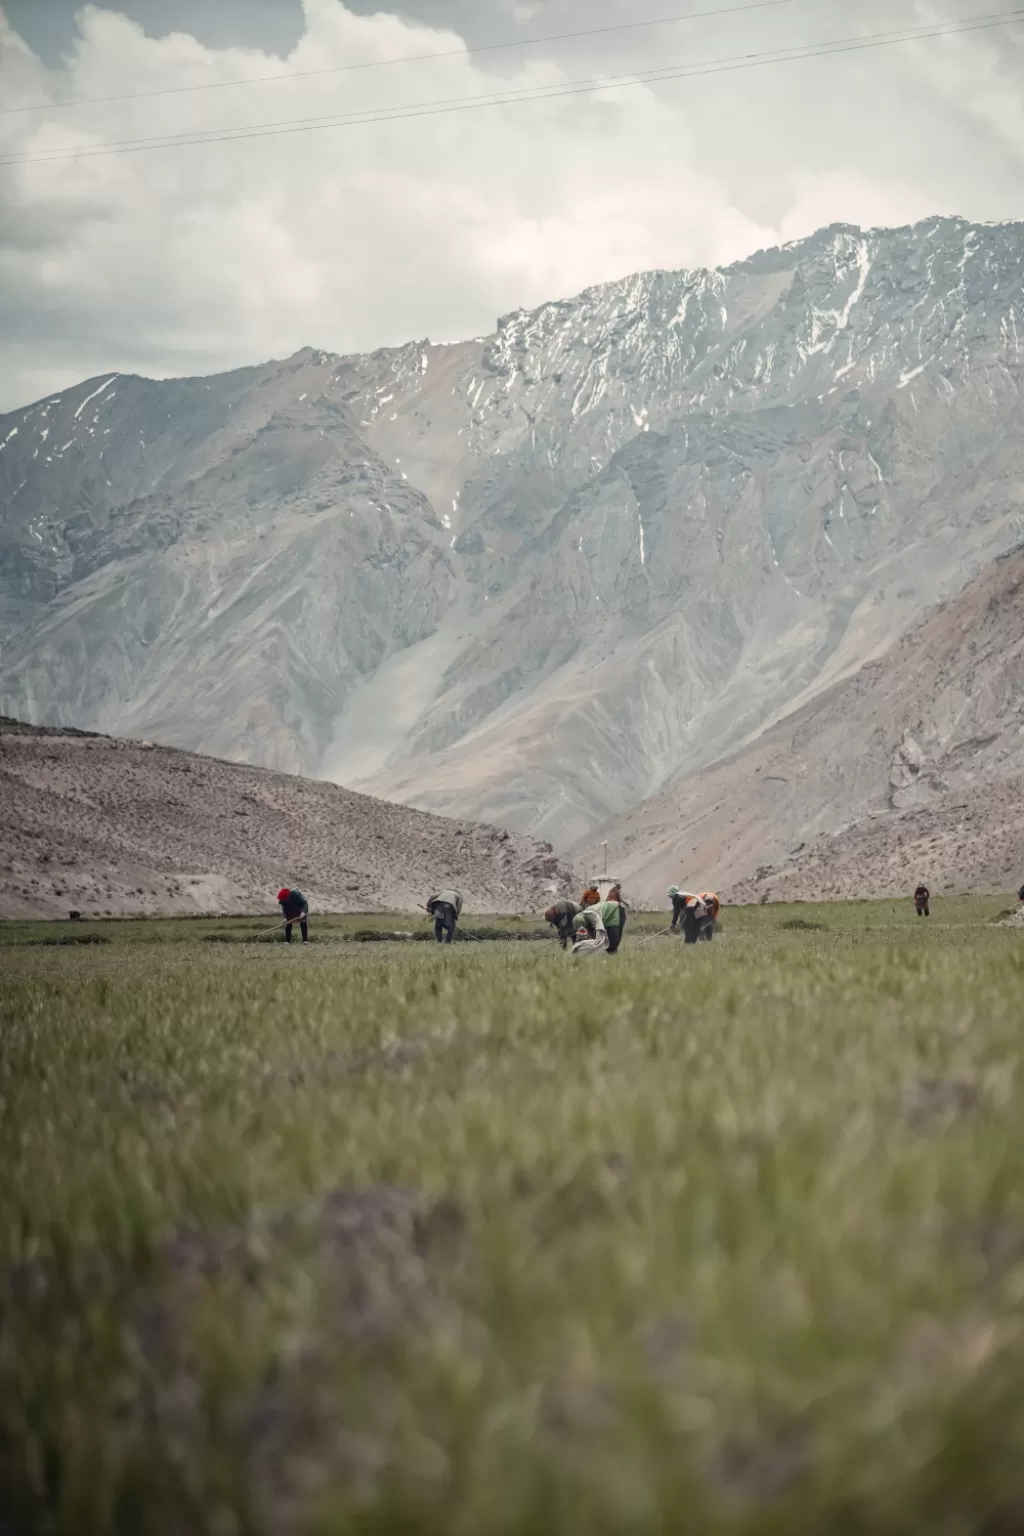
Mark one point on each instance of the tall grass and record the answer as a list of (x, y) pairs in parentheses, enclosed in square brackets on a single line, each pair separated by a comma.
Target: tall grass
[(726, 1239)]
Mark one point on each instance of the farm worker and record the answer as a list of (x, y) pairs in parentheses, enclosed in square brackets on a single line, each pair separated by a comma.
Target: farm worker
[(603, 918), (611, 916), (591, 934), (615, 895), (562, 917), (296, 909), (694, 917), (590, 898), (446, 909), (1020, 894), (714, 906), (922, 901)]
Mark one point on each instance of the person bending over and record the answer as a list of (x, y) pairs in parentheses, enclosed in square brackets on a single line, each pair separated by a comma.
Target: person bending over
[(445, 908), (296, 910), (562, 918)]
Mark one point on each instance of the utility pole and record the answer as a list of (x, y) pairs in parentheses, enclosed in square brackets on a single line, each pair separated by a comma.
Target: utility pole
[(605, 847)]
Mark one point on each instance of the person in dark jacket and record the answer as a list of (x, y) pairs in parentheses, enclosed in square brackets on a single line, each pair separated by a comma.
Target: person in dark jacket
[(445, 907), (697, 916), (678, 900), (296, 909), (692, 914), (922, 901), (697, 920), (562, 917)]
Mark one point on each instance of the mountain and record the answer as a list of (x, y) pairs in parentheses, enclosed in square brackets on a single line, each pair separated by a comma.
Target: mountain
[(531, 578), (911, 769), (110, 826)]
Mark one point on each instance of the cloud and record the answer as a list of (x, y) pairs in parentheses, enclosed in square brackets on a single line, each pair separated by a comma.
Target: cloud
[(187, 260), (976, 77)]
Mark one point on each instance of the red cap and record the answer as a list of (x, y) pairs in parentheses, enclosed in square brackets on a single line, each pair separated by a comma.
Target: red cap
[(284, 894)]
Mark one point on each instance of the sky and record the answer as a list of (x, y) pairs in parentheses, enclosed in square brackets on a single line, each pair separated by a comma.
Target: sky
[(193, 259)]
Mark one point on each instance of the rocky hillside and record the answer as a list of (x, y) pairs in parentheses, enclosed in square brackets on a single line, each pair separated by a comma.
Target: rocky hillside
[(911, 769), (114, 826), (531, 578)]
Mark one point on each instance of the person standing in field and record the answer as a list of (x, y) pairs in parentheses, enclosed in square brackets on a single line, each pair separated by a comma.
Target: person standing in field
[(445, 908), (296, 909), (562, 917), (922, 901)]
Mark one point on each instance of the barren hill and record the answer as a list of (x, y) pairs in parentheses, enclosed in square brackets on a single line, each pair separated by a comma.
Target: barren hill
[(911, 769), (112, 826)]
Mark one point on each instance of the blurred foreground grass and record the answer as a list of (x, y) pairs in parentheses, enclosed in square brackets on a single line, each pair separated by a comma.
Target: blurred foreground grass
[(727, 1239)]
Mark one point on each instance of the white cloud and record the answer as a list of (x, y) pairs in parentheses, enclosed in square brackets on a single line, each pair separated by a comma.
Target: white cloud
[(191, 259), (976, 76)]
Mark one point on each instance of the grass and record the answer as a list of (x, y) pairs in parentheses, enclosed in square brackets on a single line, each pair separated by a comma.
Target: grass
[(365, 1239), (839, 918), (325, 928)]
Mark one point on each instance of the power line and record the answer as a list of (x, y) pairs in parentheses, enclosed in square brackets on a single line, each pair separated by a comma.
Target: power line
[(413, 58), (544, 93), (526, 95)]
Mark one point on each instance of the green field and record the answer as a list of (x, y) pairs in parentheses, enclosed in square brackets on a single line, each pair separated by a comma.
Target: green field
[(382, 1238)]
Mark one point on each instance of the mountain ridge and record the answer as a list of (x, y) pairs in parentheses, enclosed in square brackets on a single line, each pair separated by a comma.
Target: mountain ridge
[(529, 578)]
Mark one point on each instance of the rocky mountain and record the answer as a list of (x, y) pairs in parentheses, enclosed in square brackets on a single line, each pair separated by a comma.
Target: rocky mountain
[(912, 769), (110, 826), (535, 577)]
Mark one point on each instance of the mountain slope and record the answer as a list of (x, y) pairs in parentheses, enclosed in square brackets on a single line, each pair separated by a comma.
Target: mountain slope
[(913, 768), (529, 578), (116, 826)]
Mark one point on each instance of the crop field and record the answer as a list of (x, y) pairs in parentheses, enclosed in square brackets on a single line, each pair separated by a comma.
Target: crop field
[(376, 1237)]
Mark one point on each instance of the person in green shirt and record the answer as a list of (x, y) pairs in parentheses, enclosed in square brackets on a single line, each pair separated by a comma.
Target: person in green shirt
[(599, 928), (611, 917), (591, 936), (615, 895)]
